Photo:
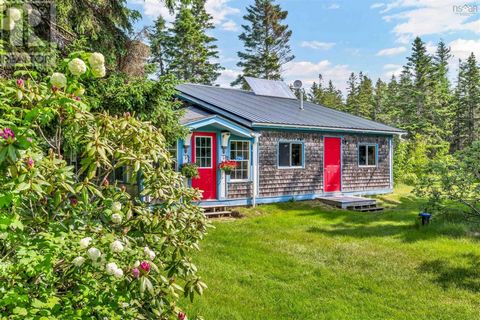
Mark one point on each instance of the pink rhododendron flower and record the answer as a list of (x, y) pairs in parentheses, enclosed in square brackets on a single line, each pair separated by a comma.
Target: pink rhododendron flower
[(7, 134), (30, 163), (145, 265), (182, 316), (78, 98), (135, 273), (20, 82)]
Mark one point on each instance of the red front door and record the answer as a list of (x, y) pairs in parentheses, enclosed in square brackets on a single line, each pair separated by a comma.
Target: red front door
[(204, 146), (332, 172)]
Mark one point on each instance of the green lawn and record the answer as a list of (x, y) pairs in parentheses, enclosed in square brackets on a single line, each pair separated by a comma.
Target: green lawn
[(303, 260)]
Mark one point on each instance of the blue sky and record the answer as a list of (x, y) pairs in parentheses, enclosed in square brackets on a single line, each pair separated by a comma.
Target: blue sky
[(337, 37)]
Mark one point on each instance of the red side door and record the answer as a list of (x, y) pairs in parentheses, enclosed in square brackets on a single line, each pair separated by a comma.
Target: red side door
[(204, 146), (332, 173)]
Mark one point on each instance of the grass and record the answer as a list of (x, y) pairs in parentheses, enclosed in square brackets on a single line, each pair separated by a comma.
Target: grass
[(303, 260)]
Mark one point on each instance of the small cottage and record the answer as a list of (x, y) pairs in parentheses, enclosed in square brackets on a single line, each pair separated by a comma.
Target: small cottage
[(284, 149)]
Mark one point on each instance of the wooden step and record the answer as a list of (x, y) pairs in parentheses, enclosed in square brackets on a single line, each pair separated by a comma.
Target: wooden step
[(213, 214)]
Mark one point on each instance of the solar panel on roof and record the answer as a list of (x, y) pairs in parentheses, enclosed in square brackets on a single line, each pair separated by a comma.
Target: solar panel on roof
[(270, 88)]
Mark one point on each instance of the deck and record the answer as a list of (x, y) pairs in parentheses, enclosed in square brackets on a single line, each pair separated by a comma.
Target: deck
[(351, 203)]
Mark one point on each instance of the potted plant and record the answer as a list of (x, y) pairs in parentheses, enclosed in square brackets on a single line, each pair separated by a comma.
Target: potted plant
[(228, 166), (189, 170)]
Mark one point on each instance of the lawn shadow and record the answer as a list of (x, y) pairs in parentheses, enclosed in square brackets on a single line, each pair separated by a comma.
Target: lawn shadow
[(447, 274)]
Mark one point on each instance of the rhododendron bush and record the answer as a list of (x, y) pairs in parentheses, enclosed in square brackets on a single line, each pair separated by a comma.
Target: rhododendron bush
[(72, 244)]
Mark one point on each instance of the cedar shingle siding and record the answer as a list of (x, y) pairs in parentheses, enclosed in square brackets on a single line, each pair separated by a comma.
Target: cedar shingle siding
[(309, 180), (277, 182), (355, 178), (238, 190)]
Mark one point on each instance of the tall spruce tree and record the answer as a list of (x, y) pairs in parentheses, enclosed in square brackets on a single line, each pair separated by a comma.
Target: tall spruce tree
[(380, 110), (329, 97), (419, 68), (160, 44), (266, 42), (191, 51), (467, 104), (352, 90), (365, 100)]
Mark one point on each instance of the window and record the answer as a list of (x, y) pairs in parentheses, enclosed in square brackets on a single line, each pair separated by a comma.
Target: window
[(173, 152), (367, 155), (203, 152), (290, 154), (240, 152)]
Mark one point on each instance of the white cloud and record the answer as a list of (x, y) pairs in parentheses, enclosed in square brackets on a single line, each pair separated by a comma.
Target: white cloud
[(317, 45), (308, 72), (392, 69), (230, 25), (219, 9), (333, 6), (462, 48), (377, 5), (391, 51), (227, 76), (427, 17)]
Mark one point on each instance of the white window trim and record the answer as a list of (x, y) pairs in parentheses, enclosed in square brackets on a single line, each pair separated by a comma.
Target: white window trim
[(249, 162), (291, 142), (366, 156), (211, 155)]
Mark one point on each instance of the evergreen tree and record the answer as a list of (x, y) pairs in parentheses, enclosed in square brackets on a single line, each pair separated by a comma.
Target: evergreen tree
[(192, 51), (417, 114), (265, 39), (365, 100), (467, 106), (352, 90), (329, 97), (380, 111), (160, 42), (440, 101)]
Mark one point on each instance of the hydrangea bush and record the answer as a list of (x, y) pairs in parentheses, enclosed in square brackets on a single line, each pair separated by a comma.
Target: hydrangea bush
[(73, 245)]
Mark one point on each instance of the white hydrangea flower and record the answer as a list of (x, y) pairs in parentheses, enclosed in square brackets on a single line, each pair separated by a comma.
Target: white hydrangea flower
[(149, 253), (111, 267), (94, 253), (96, 59), (116, 246), (8, 24), (116, 218), (77, 67), (14, 13), (85, 242), (78, 261), (136, 264), (118, 273), (58, 80), (99, 71)]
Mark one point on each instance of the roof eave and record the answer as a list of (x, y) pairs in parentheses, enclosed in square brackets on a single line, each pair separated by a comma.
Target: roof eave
[(323, 128)]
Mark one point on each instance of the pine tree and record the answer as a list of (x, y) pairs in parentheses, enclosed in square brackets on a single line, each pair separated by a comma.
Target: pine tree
[(192, 50), (160, 42), (467, 104), (352, 91), (440, 101), (419, 71), (364, 100), (380, 111), (329, 97), (266, 42)]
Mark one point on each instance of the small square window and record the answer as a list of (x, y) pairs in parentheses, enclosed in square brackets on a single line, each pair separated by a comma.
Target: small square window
[(290, 154), (367, 155)]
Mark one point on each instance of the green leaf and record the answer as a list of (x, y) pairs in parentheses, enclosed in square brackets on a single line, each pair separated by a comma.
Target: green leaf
[(20, 311)]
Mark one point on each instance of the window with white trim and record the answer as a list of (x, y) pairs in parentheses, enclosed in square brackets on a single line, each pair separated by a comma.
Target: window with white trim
[(203, 152), (367, 155), (290, 154), (240, 152)]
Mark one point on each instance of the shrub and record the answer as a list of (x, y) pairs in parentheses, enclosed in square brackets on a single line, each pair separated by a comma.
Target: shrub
[(189, 170), (72, 245)]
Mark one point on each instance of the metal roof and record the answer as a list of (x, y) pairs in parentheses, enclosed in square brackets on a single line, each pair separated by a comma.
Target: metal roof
[(260, 111)]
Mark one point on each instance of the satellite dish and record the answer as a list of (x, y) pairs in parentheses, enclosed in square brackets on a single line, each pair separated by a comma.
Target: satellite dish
[(297, 84)]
